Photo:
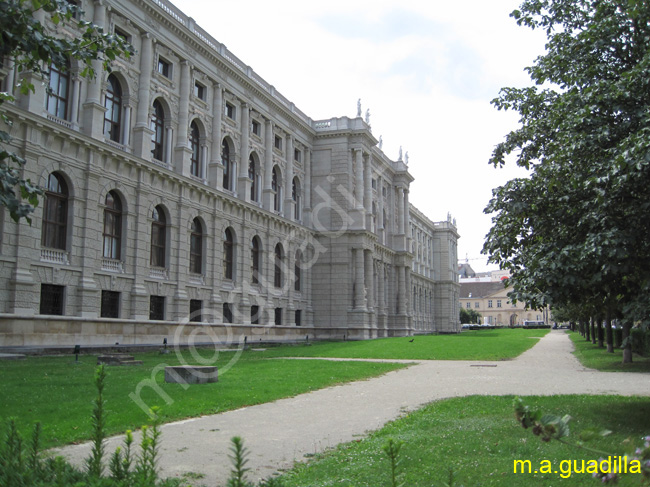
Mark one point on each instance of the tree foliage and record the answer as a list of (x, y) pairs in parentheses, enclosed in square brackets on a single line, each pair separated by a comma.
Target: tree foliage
[(575, 231), (469, 316), (32, 47)]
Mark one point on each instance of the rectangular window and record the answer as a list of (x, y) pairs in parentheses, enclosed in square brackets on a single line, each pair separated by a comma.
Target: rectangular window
[(256, 128), (164, 68), (199, 91), (123, 34), (278, 142), (297, 155), (227, 313), (374, 183), (52, 299), (157, 308), (110, 304), (255, 315), (278, 316), (489, 303), (231, 113), (498, 303), (196, 305), (469, 305), (477, 305), (298, 317), (58, 94)]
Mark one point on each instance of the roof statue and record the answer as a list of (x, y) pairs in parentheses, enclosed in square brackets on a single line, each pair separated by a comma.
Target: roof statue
[(359, 107), (381, 142), (368, 116)]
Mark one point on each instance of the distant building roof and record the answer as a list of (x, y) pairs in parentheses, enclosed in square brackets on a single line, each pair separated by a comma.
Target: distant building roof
[(479, 289), (465, 270)]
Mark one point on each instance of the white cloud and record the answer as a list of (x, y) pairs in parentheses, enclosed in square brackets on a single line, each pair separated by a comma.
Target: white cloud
[(426, 70)]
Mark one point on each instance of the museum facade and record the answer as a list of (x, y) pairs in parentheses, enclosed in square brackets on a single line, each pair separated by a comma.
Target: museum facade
[(186, 198)]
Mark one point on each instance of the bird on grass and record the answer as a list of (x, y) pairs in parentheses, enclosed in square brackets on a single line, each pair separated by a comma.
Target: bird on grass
[(411, 340)]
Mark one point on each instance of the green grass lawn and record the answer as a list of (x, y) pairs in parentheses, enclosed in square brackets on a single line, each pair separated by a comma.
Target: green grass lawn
[(479, 439), (500, 344), (597, 358), (59, 393)]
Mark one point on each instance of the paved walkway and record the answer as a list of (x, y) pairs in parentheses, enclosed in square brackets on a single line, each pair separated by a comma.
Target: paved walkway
[(281, 432)]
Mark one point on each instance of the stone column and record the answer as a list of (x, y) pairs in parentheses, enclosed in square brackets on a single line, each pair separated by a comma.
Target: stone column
[(380, 210), (359, 284), (216, 302), (358, 174), (367, 191), (406, 219), (400, 211), (10, 79), (267, 192), (179, 264), (243, 183), (401, 290), (215, 175), (90, 240), (307, 189), (182, 153), (369, 278), (93, 110), (169, 134), (126, 126), (380, 287), (289, 206), (142, 132), (140, 260), (74, 107)]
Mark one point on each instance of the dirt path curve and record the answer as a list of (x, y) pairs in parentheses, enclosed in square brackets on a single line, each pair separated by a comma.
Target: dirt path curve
[(284, 431)]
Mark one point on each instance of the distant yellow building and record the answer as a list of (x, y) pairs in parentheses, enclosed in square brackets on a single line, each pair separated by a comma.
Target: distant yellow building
[(490, 298)]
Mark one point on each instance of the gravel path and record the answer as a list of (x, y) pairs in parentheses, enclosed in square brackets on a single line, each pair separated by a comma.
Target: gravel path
[(284, 431)]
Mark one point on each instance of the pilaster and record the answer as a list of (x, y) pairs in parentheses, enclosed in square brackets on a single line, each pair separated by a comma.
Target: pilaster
[(182, 151), (243, 181), (142, 132)]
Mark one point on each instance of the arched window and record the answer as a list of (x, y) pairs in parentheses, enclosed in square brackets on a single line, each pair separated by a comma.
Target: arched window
[(55, 213), (252, 175), (298, 271), (196, 247), (225, 160), (256, 258), (58, 94), (112, 226), (228, 254), (158, 237), (113, 105), (195, 141), (295, 196), (277, 189), (158, 128), (277, 278)]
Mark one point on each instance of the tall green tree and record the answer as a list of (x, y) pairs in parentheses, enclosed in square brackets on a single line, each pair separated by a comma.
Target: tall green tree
[(575, 231), (31, 47)]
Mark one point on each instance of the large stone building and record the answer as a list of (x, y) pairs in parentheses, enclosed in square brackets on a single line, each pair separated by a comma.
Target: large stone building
[(186, 198)]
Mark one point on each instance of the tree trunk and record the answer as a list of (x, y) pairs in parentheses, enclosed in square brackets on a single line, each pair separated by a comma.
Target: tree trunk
[(587, 330), (601, 333), (627, 350), (593, 331), (610, 334)]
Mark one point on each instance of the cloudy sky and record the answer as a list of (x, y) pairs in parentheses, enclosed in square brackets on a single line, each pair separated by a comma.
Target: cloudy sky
[(426, 69)]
